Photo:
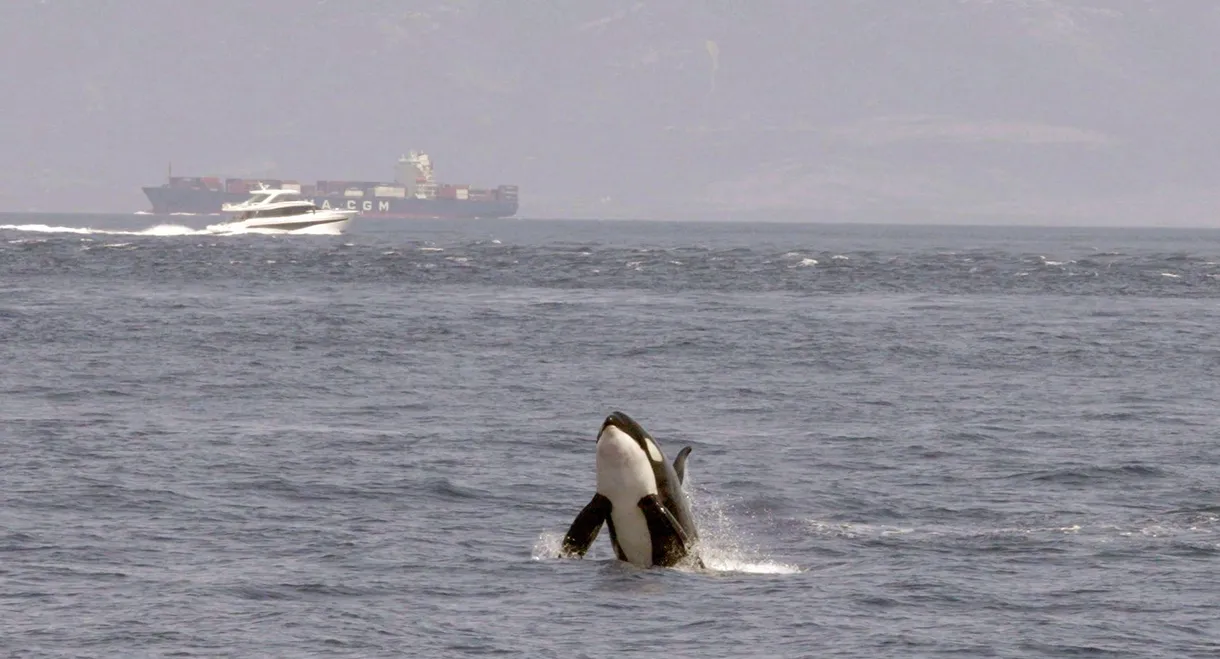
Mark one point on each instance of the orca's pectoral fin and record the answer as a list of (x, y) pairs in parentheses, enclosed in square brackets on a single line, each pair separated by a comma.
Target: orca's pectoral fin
[(585, 527), (680, 464), (669, 540)]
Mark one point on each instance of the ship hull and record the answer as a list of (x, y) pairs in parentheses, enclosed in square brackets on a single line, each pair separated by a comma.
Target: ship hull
[(166, 199)]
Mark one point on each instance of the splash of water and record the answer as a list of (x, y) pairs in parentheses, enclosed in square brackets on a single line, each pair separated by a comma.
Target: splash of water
[(548, 545), (722, 546)]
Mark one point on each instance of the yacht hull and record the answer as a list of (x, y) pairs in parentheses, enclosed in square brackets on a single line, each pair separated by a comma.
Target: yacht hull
[(333, 226)]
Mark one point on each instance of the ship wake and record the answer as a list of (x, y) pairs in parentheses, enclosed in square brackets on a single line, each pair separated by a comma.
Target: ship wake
[(160, 230)]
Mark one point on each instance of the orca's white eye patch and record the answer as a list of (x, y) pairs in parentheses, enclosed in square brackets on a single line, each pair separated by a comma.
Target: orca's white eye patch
[(654, 453)]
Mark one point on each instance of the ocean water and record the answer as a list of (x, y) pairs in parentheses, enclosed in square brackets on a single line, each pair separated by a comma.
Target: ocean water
[(908, 441)]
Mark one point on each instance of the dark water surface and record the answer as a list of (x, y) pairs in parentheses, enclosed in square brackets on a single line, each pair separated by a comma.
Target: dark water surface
[(908, 441)]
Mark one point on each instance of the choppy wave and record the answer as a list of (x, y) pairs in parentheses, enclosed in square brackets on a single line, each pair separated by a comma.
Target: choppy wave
[(794, 268), (932, 447)]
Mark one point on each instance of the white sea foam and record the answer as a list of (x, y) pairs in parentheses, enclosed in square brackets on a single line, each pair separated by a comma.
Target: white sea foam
[(164, 230), (169, 230), (42, 228), (1176, 526)]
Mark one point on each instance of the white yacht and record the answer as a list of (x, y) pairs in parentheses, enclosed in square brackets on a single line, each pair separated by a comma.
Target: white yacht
[(282, 210)]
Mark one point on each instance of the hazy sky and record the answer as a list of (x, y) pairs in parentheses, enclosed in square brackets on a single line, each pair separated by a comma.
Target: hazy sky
[(1089, 111)]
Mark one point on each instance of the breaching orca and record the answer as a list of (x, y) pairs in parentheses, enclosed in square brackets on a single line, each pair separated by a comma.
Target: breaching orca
[(639, 496)]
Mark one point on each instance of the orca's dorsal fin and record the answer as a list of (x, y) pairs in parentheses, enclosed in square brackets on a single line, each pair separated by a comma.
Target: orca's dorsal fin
[(680, 464)]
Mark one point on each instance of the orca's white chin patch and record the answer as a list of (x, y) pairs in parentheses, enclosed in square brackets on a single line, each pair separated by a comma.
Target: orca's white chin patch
[(624, 474)]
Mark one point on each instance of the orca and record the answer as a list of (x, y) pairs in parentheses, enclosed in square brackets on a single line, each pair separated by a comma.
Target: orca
[(639, 497)]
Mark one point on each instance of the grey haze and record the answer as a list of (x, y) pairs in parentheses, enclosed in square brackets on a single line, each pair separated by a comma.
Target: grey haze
[(1043, 111)]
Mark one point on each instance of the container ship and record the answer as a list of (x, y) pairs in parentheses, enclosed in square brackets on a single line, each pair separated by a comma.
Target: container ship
[(414, 194)]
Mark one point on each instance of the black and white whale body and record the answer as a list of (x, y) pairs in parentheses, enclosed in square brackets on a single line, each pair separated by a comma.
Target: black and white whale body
[(639, 496)]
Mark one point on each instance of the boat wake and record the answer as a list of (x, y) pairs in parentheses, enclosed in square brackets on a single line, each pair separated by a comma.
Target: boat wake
[(169, 230)]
